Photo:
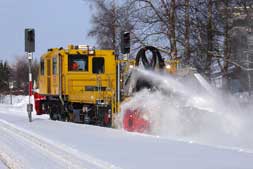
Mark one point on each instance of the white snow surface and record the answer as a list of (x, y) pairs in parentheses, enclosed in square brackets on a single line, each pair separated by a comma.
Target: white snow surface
[(45, 144)]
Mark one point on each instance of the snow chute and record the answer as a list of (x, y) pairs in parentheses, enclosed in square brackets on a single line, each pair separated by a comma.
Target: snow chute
[(133, 120)]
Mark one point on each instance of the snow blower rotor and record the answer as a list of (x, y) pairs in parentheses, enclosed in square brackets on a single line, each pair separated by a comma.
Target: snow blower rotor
[(133, 119)]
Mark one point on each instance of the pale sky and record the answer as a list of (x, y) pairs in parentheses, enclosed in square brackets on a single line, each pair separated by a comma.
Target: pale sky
[(57, 23)]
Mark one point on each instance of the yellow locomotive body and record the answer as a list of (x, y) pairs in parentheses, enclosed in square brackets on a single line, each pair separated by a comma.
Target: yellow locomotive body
[(79, 84), (85, 85)]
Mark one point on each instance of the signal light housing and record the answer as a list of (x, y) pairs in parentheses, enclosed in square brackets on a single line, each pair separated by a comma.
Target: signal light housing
[(125, 42), (29, 40)]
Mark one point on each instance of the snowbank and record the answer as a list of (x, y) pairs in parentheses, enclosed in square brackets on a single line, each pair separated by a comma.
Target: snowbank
[(16, 100)]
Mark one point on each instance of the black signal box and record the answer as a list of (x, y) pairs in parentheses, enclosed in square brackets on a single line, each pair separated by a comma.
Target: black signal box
[(125, 42), (29, 40)]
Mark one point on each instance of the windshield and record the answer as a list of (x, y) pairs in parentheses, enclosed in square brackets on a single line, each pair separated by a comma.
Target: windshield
[(78, 62)]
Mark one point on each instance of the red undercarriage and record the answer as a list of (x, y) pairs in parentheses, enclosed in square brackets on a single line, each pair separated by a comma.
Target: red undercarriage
[(133, 120), (37, 101)]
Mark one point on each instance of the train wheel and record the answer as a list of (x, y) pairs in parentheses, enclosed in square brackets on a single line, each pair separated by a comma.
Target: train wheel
[(53, 116), (63, 116)]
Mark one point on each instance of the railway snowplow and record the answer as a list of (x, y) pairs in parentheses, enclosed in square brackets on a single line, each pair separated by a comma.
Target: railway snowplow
[(78, 84), (136, 119), (86, 85)]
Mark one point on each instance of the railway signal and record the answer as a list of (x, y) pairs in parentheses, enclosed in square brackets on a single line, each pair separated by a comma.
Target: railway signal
[(29, 49), (125, 42), (29, 40)]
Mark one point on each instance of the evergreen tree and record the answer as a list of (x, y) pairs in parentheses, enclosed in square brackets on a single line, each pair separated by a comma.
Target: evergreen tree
[(4, 76)]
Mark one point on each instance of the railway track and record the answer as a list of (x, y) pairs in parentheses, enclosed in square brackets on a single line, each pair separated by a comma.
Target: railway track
[(61, 155)]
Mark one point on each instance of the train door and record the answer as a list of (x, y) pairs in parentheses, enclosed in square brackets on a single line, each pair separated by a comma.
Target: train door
[(48, 76), (55, 76)]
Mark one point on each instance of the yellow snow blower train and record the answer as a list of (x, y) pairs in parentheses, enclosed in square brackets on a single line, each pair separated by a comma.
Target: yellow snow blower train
[(86, 85)]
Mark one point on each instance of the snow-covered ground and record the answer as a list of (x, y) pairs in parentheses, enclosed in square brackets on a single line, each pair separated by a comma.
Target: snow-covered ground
[(53, 144), (2, 166)]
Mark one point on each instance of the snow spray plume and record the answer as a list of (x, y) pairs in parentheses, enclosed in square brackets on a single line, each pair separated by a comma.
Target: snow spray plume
[(184, 109)]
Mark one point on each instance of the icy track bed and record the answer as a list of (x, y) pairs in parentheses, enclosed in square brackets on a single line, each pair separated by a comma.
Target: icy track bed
[(52, 144)]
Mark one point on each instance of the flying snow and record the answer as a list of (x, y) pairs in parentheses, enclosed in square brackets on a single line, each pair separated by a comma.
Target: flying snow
[(188, 109)]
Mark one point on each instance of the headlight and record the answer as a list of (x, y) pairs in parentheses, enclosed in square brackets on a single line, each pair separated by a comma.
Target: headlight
[(83, 47), (168, 66), (91, 52), (131, 66)]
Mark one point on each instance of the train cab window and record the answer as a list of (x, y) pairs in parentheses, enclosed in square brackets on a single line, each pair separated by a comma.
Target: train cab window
[(54, 65), (98, 65), (78, 62), (42, 67)]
